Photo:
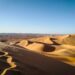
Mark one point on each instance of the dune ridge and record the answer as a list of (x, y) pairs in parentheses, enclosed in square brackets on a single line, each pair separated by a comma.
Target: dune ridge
[(37, 55), (45, 39), (9, 61), (39, 44)]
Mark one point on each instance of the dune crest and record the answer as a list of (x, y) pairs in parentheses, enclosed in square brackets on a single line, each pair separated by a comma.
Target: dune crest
[(41, 55), (43, 44), (69, 40), (35, 46), (40, 44), (45, 39), (9, 61), (23, 43)]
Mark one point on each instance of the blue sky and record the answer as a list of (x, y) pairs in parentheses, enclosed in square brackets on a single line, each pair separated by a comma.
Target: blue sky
[(37, 16)]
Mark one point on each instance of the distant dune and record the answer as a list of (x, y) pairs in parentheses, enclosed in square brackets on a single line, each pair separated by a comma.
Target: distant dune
[(60, 38), (23, 43), (69, 40), (38, 44), (45, 39)]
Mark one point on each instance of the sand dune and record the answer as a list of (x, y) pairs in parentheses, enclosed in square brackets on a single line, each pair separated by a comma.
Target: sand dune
[(23, 43), (53, 55), (62, 37), (9, 61), (34, 63), (38, 47), (45, 39), (42, 45), (69, 40), (65, 55), (37, 44)]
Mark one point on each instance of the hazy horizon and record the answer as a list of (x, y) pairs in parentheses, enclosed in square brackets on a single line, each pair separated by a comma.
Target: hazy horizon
[(37, 16)]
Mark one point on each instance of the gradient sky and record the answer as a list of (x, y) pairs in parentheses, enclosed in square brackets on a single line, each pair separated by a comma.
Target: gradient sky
[(37, 16)]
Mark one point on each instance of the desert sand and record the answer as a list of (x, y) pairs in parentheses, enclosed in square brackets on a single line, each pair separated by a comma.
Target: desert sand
[(46, 55), (8, 61), (45, 45)]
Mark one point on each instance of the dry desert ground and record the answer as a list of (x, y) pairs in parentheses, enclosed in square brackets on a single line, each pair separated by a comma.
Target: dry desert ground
[(43, 55)]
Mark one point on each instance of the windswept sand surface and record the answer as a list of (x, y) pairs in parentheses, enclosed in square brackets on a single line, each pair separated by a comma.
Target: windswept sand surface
[(49, 47), (50, 55), (45, 39)]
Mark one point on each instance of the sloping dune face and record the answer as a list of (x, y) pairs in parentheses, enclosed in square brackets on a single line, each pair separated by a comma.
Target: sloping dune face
[(38, 47), (45, 39), (23, 43), (65, 55), (45, 45), (35, 46), (69, 40), (38, 44), (50, 55), (61, 38)]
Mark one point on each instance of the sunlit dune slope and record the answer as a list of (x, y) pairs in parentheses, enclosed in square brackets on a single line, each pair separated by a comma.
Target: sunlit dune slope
[(38, 44), (35, 46), (23, 43), (45, 39), (62, 37), (69, 40), (65, 55), (38, 47), (59, 39), (42, 54), (65, 52)]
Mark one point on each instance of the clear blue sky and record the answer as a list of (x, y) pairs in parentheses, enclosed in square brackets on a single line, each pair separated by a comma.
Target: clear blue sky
[(37, 16)]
